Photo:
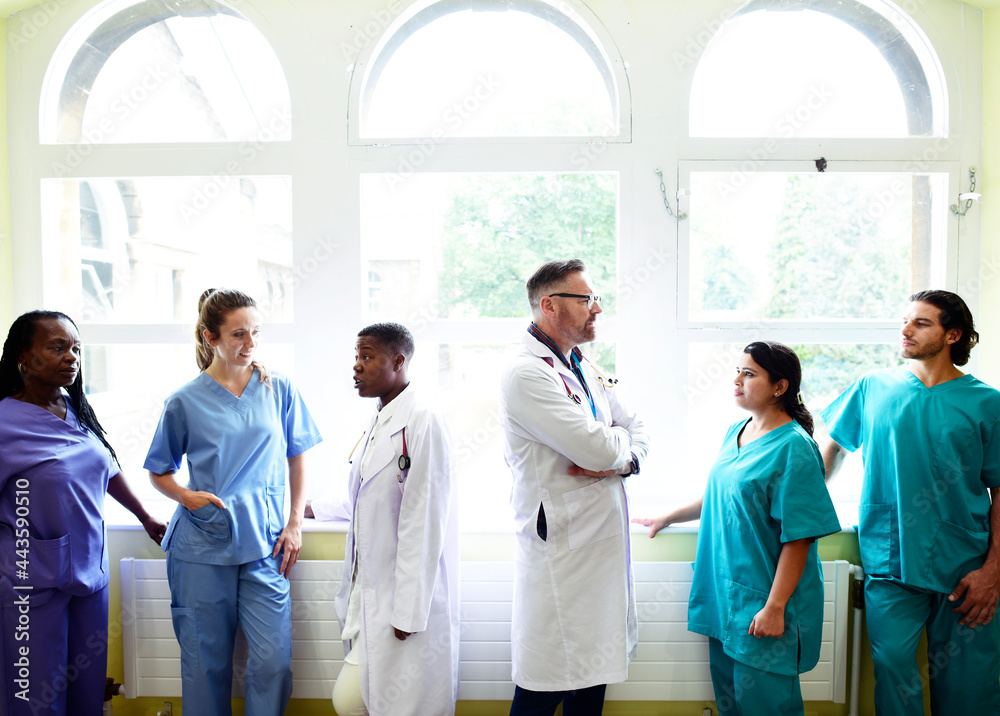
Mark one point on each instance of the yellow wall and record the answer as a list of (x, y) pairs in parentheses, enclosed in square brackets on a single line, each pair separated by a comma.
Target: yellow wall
[(667, 547), (989, 305), (6, 260)]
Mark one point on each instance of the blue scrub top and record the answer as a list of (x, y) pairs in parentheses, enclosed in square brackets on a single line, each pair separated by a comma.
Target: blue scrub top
[(758, 497), (237, 449), (930, 455), (53, 475)]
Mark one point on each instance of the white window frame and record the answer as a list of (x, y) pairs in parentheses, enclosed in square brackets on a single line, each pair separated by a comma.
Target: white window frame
[(325, 163), (574, 14)]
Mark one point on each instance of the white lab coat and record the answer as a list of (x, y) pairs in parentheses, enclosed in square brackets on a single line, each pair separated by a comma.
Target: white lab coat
[(574, 623), (407, 554)]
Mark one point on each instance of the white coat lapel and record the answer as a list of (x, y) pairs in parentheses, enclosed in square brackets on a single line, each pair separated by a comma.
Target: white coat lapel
[(569, 382), (385, 452), (563, 376)]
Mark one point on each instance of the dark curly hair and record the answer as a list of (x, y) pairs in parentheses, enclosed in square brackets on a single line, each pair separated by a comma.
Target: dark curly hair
[(393, 336)]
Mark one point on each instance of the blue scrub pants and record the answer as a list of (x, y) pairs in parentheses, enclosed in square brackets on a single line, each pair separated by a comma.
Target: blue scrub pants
[(741, 690), (581, 702), (207, 602), (963, 664), (63, 672)]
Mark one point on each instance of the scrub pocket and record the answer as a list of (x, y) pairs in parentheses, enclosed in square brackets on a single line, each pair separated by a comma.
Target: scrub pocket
[(275, 511), (592, 514), (208, 526), (49, 560), (878, 533), (775, 655), (958, 551)]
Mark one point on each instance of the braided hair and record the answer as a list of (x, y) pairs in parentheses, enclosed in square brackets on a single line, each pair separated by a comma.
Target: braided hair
[(780, 362), (19, 339)]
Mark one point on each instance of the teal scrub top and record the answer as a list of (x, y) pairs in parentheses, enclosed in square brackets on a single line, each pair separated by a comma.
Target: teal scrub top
[(758, 497), (930, 455), (237, 449)]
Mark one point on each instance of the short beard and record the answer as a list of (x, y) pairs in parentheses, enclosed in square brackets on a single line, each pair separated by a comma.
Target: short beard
[(928, 352)]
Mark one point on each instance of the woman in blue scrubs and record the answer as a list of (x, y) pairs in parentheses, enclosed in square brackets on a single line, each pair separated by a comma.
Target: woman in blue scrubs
[(55, 467), (229, 549), (757, 592)]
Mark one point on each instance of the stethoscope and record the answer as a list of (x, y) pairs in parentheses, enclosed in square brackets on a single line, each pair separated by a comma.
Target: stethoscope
[(404, 459), (403, 463), (603, 378)]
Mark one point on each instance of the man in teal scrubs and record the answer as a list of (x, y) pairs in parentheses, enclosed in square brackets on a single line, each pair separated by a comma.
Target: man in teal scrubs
[(929, 525)]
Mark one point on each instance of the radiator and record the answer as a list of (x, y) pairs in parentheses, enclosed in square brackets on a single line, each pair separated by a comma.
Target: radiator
[(672, 664)]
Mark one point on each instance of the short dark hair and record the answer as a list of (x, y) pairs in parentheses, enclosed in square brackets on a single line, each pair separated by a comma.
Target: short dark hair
[(547, 275), (393, 336), (954, 314)]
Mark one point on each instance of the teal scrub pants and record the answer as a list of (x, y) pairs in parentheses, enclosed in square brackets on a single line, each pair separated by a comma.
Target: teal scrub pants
[(963, 664), (741, 690), (207, 601)]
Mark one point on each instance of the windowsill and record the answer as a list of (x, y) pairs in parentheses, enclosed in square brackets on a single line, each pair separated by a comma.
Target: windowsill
[(340, 527)]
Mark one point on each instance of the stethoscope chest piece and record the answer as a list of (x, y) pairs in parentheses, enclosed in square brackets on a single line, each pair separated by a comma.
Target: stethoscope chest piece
[(404, 459)]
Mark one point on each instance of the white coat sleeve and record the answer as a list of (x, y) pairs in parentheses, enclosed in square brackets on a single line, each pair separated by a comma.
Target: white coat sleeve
[(331, 509), (423, 520), (538, 408)]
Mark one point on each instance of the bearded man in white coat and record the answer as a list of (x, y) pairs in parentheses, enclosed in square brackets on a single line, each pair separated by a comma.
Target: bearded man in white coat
[(570, 444), (398, 600)]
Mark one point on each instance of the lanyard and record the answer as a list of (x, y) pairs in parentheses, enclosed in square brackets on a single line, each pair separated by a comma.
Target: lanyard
[(578, 370), (573, 364)]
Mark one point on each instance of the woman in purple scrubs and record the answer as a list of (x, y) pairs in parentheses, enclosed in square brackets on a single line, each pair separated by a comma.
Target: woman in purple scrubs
[(55, 468)]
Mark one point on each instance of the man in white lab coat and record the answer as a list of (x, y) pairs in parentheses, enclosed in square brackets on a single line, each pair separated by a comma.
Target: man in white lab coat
[(398, 600), (570, 444)]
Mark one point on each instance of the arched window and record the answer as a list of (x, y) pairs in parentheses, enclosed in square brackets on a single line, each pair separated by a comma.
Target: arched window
[(164, 72), (796, 233), (818, 69), (447, 70)]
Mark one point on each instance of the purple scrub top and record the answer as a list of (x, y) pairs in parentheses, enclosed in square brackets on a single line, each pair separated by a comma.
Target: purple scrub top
[(53, 477)]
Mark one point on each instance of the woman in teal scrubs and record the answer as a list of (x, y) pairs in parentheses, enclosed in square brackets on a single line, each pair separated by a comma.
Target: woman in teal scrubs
[(757, 592)]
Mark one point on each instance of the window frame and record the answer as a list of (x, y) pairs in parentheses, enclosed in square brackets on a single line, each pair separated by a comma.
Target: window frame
[(372, 57), (325, 166)]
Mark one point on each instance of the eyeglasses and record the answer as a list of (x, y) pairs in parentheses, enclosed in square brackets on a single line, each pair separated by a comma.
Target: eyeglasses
[(591, 298)]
